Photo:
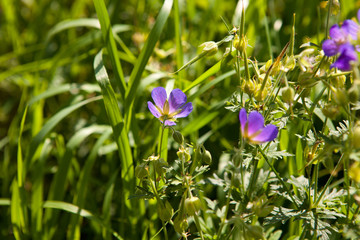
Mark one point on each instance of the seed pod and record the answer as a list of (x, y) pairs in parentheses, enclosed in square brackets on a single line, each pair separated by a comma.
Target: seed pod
[(165, 210), (178, 137), (192, 205), (288, 94), (206, 158)]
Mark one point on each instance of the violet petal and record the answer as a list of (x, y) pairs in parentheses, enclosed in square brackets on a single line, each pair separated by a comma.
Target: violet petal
[(169, 123), (267, 134), (186, 110), (330, 48), (255, 122), (243, 118), (336, 33), (159, 96), (176, 100), (153, 110), (347, 54), (351, 28)]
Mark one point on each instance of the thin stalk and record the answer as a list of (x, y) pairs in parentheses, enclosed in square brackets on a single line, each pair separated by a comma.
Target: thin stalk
[(278, 176), (253, 177), (153, 186), (329, 180)]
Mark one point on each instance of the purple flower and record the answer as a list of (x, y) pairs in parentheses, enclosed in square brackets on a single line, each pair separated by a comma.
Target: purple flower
[(347, 55), (253, 129), (169, 110), (341, 43)]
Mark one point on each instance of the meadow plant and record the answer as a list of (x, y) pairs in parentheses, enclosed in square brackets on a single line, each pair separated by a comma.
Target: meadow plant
[(258, 138)]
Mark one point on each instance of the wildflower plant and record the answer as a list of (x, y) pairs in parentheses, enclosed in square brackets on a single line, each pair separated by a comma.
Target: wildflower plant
[(259, 137)]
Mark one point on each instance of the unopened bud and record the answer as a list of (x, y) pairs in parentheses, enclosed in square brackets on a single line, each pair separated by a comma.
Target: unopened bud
[(192, 205), (165, 210), (288, 94), (210, 48), (206, 158), (178, 137)]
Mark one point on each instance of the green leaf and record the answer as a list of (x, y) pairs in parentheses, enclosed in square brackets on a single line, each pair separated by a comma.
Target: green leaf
[(110, 44)]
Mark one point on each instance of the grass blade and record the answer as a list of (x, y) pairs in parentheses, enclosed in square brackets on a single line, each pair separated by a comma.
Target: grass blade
[(110, 44)]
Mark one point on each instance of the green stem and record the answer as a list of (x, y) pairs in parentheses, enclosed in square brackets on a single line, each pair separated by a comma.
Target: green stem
[(278, 176), (329, 181), (253, 178)]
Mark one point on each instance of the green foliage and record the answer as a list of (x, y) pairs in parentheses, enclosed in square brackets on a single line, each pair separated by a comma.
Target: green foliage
[(81, 157)]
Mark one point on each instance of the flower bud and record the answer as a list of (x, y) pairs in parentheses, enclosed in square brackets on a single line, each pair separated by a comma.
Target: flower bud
[(192, 205), (180, 224), (210, 48), (288, 94), (178, 137), (206, 158), (141, 171), (165, 210)]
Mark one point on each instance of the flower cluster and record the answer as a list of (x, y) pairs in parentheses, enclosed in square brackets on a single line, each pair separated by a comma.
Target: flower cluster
[(343, 42), (167, 111)]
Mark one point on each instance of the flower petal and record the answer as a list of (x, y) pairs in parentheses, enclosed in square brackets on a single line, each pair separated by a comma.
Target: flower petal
[(243, 119), (351, 28), (347, 56), (255, 122), (337, 34), (267, 134), (186, 110), (159, 96), (176, 100), (154, 110), (330, 48), (169, 123)]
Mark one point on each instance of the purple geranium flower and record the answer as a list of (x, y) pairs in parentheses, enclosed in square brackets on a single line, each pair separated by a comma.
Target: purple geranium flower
[(169, 110), (253, 129), (347, 55), (341, 43)]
